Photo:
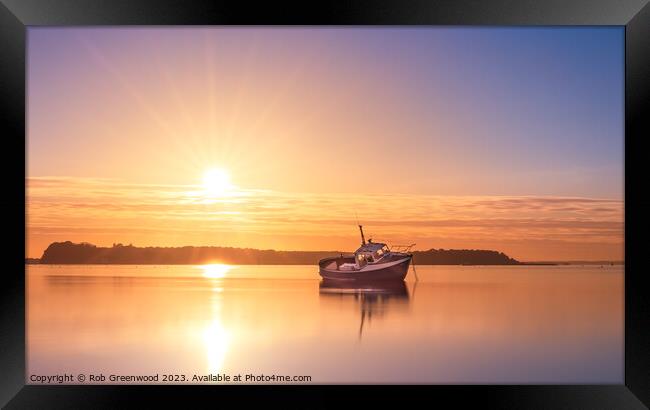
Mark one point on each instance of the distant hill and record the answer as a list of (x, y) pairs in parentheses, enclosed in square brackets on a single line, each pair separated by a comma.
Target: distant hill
[(462, 257), (86, 253)]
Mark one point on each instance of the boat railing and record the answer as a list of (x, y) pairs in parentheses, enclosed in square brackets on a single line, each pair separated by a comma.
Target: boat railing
[(401, 248)]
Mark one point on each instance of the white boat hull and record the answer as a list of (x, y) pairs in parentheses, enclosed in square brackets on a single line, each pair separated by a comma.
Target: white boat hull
[(394, 270)]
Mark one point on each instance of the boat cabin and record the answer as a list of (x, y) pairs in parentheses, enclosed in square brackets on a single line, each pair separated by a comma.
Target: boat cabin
[(370, 252)]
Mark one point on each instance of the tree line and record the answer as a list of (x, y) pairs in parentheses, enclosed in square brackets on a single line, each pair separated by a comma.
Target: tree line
[(86, 253)]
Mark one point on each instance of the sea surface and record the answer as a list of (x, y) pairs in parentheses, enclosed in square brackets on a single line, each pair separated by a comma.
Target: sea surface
[(456, 324)]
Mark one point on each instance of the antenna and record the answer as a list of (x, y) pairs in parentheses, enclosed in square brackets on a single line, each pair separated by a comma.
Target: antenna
[(363, 239)]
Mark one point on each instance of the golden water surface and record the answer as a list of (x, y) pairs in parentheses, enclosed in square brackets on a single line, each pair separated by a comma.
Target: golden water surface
[(457, 324)]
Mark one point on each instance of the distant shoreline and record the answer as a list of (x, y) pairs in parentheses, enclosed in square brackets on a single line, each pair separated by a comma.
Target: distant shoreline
[(68, 253), (36, 261)]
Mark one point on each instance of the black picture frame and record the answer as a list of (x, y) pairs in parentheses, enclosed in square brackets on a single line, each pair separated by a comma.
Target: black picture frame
[(17, 15)]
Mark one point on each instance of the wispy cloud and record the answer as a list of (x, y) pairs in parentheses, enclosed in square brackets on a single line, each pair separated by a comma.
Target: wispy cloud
[(80, 208)]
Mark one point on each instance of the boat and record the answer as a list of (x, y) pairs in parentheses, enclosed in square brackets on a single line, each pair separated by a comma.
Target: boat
[(373, 261)]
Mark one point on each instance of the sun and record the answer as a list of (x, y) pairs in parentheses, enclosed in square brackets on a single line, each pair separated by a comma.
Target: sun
[(216, 182)]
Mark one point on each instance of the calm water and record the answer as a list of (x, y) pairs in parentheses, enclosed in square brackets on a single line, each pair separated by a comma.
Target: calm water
[(460, 324)]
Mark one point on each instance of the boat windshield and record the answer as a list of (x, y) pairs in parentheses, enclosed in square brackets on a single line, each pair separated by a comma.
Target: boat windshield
[(361, 260)]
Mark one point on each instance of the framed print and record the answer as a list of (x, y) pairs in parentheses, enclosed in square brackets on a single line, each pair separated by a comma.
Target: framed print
[(219, 202)]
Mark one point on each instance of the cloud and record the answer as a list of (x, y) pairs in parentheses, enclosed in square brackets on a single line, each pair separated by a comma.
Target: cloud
[(101, 206)]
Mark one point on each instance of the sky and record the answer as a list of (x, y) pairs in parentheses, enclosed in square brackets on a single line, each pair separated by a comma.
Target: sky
[(493, 138)]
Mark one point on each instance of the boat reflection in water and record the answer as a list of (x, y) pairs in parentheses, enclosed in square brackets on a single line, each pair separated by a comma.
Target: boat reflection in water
[(373, 299)]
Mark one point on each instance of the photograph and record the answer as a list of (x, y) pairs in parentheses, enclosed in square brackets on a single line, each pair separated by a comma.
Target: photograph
[(307, 205)]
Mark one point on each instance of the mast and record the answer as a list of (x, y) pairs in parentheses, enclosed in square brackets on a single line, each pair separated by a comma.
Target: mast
[(363, 239)]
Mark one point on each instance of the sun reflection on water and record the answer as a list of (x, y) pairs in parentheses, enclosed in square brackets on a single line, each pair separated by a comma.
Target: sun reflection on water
[(216, 340)]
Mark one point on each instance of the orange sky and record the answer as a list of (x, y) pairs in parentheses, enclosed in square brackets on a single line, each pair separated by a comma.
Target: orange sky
[(430, 136)]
